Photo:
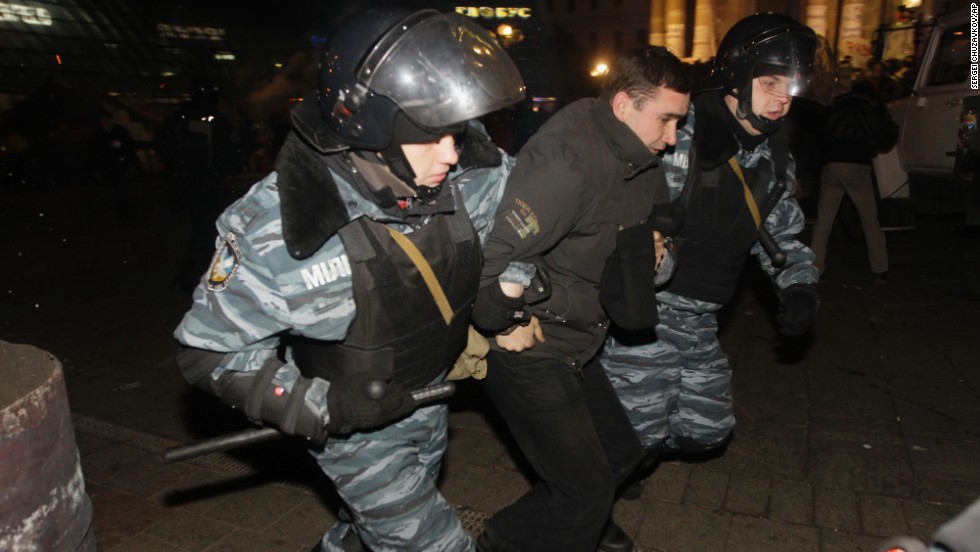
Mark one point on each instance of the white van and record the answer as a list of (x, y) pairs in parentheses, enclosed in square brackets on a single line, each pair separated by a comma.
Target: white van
[(930, 166)]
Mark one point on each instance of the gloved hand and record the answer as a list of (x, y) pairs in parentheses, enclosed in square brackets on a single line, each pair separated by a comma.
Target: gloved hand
[(798, 306), (366, 400), (495, 312)]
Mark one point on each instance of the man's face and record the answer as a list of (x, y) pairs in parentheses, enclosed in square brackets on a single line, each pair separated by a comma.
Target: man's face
[(654, 120), (431, 161), (770, 99)]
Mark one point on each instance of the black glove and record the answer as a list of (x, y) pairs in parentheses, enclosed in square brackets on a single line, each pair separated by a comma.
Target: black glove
[(495, 312), (667, 218), (798, 305), (366, 399)]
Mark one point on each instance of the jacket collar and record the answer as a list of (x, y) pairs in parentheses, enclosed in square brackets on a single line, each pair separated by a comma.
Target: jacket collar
[(714, 143), (621, 140)]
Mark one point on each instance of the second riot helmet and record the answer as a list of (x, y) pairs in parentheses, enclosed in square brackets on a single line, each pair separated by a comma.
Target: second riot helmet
[(773, 44)]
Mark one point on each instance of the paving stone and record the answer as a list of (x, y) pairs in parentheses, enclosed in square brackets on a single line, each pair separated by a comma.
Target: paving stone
[(147, 478), (791, 502), (142, 543), (200, 490), (932, 389), (747, 495), (859, 437), (706, 488), (943, 421), (107, 462), (849, 390), (683, 528), (478, 448), (960, 493), (882, 516), (764, 405), (458, 482), (254, 541), (753, 534), (117, 515), (630, 515), (189, 531), (305, 523), (836, 509), (845, 362), (839, 541), (925, 517), (782, 446), (843, 422), (256, 507), (946, 459), (500, 488), (766, 372), (668, 482), (859, 472), (906, 363)]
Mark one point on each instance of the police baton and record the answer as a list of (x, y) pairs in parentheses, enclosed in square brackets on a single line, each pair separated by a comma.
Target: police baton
[(769, 244), (257, 435)]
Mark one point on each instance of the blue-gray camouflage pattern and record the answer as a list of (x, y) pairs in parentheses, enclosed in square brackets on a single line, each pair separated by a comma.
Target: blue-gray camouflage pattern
[(386, 495), (680, 383), (255, 291)]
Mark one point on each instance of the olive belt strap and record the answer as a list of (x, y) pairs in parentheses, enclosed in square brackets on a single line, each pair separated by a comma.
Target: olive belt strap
[(426, 271), (749, 199)]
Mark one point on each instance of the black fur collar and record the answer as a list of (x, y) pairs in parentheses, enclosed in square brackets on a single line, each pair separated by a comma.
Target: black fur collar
[(715, 143), (309, 203)]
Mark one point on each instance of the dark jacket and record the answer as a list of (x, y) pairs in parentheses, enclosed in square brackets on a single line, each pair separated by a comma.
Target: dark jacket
[(580, 179), (857, 128)]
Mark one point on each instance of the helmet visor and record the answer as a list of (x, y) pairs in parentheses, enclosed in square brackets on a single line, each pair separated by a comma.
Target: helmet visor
[(442, 71), (798, 65)]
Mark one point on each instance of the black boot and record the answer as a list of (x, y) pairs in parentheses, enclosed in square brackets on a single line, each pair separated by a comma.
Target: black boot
[(632, 488), (486, 542), (614, 539)]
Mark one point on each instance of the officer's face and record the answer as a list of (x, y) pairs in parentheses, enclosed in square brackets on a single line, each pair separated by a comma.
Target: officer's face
[(770, 97), (654, 120), (431, 161)]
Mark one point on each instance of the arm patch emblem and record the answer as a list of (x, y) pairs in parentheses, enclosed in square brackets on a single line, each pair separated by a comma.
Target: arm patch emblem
[(224, 264)]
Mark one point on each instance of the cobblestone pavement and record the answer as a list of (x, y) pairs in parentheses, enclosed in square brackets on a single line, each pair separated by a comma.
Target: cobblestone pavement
[(867, 431)]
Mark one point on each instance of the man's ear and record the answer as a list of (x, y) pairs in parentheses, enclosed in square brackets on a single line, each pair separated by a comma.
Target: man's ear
[(619, 104)]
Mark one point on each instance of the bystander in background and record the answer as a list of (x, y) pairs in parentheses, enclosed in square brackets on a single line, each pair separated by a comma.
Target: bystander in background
[(858, 127)]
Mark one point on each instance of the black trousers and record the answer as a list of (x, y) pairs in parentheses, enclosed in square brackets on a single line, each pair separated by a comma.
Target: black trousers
[(575, 433)]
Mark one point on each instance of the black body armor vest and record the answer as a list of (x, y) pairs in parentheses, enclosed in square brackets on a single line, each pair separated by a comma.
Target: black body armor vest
[(398, 322)]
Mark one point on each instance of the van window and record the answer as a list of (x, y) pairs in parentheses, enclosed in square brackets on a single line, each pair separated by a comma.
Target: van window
[(952, 62)]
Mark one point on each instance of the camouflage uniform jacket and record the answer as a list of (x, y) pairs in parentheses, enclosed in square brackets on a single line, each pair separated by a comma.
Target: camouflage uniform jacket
[(256, 290), (784, 222)]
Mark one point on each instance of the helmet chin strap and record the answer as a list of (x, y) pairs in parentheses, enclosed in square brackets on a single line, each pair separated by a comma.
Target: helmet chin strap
[(394, 157), (744, 112)]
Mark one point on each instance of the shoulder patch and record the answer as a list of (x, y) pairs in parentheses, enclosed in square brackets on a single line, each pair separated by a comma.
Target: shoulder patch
[(224, 264), (522, 218)]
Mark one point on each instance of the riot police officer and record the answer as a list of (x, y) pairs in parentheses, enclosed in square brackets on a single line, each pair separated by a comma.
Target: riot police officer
[(361, 254), (731, 156)]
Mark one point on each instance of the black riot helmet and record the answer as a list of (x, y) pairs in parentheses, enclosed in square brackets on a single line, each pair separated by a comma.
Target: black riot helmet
[(773, 44), (394, 75)]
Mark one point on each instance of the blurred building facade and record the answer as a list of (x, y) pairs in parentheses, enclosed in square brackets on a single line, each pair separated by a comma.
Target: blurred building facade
[(693, 28)]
